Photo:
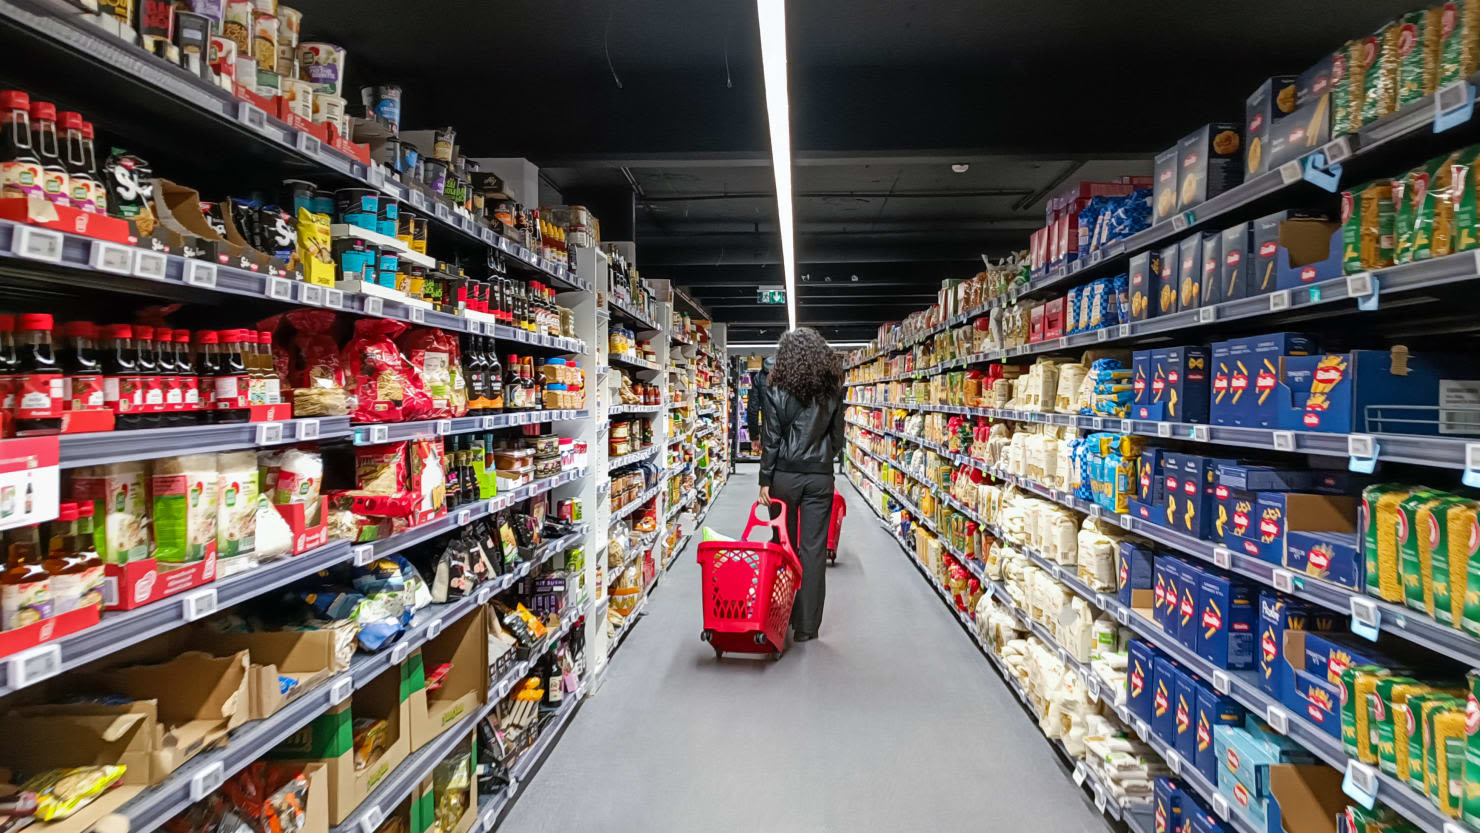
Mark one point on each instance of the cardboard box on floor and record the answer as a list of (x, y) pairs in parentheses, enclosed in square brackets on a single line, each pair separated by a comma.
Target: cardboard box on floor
[(464, 644), (329, 738)]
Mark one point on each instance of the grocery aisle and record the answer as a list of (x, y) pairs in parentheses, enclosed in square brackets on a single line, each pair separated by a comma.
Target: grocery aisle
[(891, 721)]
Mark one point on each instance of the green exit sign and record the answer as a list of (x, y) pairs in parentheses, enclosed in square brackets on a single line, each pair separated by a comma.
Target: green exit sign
[(770, 295)]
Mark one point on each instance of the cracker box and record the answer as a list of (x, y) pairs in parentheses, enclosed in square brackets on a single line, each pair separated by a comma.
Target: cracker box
[(1163, 694), (1135, 570), (1269, 104), (1166, 813), (1144, 275), (1179, 385), (1211, 291), (1227, 622), (1189, 272), (1234, 246), (1184, 718), (1164, 195), (1331, 556), (1209, 163), (1213, 710), (1165, 298), (1139, 675), (1189, 602)]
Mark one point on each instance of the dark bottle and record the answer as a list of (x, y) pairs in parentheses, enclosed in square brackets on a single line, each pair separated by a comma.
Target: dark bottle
[(7, 362), (513, 397), (466, 453), (151, 413), (452, 474), (82, 386), (20, 168), (82, 183), (123, 390), (25, 586), (474, 370), (38, 401), (172, 397), (533, 393), (493, 376), (90, 164), (190, 405), (207, 368), (49, 151), (233, 384)]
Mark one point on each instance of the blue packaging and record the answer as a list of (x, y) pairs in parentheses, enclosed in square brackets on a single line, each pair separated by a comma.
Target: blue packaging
[(1236, 261), (1146, 512), (1140, 381), (1172, 504), (1205, 822), (1140, 674), (1307, 236), (1329, 654), (1331, 556), (1149, 485), (1220, 395), (1163, 571), (1189, 580), (1200, 495), (1255, 478), (1316, 699), (1227, 622), (1212, 269), (1255, 367), (1184, 719), (1278, 614), (1167, 810), (1145, 269), (1135, 571), (1189, 272), (1279, 512), (1238, 513), (1213, 710), (1179, 385), (1163, 694), (1363, 391)]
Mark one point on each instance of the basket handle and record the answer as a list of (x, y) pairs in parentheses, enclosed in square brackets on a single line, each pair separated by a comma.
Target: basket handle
[(778, 523)]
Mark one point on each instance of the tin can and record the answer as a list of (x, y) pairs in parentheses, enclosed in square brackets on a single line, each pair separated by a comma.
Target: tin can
[(290, 24), (299, 94), (322, 64), (299, 193), (329, 109), (443, 142), (434, 174), (287, 56), (405, 222), (237, 25), (356, 259), (389, 267), (383, 103), (264, 39), (386, 217)]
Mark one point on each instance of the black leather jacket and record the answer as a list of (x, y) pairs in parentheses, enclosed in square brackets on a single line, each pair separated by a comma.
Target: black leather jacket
[(800, 438)]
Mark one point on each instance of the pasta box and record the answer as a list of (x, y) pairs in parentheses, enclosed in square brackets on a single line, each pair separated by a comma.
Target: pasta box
[(1163, 573), (1265, 108), (1146, 512), (1279, 615), (1167, 805), (1184, 718), (1166, 282), (1164, 195), (1189, 271), (1255, 364), (1265, 249), (1330, 654), (1189, 598), (1235, 249), (1209, 163), (1311, 250), (1171, 478), (1220, 371), (1308, 694), (1141, 379), (1236, 519), (1199, 503), (1213, 710), (1141, 280), (1140, 673), (1179, 385), (1150, 487), (1332, 556), (1227, 622), (1163, 694), (1135, 570), (1279, 512), (1357, 391), (1256, 478), (1212, 269), (1203, 822)]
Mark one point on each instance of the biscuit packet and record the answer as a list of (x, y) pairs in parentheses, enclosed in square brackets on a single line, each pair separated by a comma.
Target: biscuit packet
[(1341, 91), (1458, 43), (1417, 53), (1464, 200)]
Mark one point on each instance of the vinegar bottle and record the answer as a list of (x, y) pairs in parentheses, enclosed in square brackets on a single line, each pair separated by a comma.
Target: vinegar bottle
[(25, 586)]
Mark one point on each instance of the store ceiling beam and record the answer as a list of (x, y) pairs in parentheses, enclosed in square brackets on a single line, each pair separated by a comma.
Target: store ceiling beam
[(893, 195), (817, 159)]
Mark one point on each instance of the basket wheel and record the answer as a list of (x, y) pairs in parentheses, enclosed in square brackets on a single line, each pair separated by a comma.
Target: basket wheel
[(706, 635), (758, 638), (776, 657)]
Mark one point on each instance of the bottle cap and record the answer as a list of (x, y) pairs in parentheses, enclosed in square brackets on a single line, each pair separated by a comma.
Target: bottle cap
[(143, 332), (85, 509), (87, 130), (70, 120), (119, 331), (67, 512), (163, 334), (264, 337), (35, 321), (43, 111), (207, 337), (15, 100), (182, 336), (82, 329)]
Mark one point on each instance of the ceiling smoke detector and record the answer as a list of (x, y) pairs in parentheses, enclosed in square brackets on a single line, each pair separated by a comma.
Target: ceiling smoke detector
[(961, 167)]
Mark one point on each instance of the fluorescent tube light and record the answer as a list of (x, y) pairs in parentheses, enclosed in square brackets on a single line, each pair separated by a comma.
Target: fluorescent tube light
[(772, 17)]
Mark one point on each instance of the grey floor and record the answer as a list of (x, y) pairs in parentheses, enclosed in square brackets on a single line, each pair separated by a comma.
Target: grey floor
[(891, 721)]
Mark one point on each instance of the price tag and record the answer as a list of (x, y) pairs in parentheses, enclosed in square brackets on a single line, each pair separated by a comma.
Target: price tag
[(442, 212), (311, 293), (434, 627), (1360, 782), (1223, 557), (341, 690), (1361, 452), (207, 781), (1207, 315), (1142, 729), (399, 652), (1174, 762), (308, 145), (372, 819), (1222, 682), (1279, 301), (269, 433), (490, 422), (444, 427), (464, 516), (1102, 334), (1126, 521), (1366, 618), (33, 666), (1101, 803), (1199, 433), (1123, 615), (1220, 806), (252, 116), (1283, 580), (37, 244), (487, 820), (1291, 172), (280, 289), (1453, 105), (150, 265), (334, 298), (1125, 331), (487, 235), (199, 604), (1278, 719), (1179, 222), (199, 273), (1080, 773), (373, 305), (418, 315), (1092, 686), (111, 257), (418, 201), (362, 554), (1163, 429)]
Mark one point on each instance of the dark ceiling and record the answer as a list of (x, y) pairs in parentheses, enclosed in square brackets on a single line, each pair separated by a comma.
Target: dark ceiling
[(659, 104)]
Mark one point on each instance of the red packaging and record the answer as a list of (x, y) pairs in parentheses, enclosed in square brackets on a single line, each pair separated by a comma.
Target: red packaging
[(1036, 327), (381, 469), (319, 364), (388, 388), (435, 355)]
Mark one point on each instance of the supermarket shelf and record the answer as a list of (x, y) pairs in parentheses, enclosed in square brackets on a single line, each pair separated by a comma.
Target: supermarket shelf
[(637, 364), (628, 623), (492, 812), (429, 428), (704, 432), (708, 411), (712, 391), (103, 447), (558, 343), (51, 32), (632, 506), (678, 339), (628, 459), (618, 410), (623, 309)]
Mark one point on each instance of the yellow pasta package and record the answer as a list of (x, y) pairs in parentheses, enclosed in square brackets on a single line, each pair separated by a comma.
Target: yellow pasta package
[(1380, 538)]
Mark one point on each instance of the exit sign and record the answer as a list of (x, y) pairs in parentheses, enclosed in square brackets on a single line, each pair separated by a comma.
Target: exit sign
[(770, 295)]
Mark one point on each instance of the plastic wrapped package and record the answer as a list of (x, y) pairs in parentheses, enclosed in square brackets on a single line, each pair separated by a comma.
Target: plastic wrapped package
[(299, 480), (184, 507), (435, 355), (236, 503), (118, 496), (381, 469), (387, 387), (427, 478), (274, 537), (317, 375)]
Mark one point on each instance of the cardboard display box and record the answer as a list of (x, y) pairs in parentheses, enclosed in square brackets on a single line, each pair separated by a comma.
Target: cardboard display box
[(464, 645)]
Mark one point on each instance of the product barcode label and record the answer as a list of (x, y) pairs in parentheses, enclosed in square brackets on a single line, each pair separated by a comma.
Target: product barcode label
[(33, 666), (373, 305), (111, 257), (200, 274), (37, 244), (199, 604), (279, 289), (150, 265), (207, 781)]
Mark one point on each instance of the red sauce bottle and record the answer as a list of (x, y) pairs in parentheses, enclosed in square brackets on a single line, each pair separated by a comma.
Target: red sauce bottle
[(38, 403), (82, 387), (123, 391)]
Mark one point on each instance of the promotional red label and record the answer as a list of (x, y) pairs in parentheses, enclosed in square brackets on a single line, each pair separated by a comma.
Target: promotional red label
[(38, 396), (1268, 249), (84, 392)]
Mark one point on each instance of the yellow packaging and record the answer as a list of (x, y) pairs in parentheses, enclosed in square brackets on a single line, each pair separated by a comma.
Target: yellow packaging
[(1419, 34), (1364, 686), (315, 248), (1458, 48), (1380, 538), (1449, 759)]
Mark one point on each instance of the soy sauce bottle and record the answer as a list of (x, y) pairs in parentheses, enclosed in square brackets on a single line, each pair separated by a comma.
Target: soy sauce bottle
[(122, 389), (233, 383), (8, 362), (474, 371), (54, 182), (82, 387), (82, 184), (38, 404), (20, 169), (169, 377), (207, 368), (190, 404), (151, 387)]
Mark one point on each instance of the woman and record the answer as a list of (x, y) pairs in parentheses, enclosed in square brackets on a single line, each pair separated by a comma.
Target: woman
[(802, 423)]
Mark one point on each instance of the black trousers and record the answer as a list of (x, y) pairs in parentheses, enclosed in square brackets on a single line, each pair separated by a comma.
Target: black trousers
[(808, 500)]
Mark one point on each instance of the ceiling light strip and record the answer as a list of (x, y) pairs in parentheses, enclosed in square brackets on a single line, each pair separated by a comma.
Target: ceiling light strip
[(772, 17)]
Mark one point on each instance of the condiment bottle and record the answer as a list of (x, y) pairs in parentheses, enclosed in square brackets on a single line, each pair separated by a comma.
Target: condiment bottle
[(189, 382), (493, 375), (473, 370), (20, 168), (152, 387), (272, 389), (25, 586), (64, 564), (513, 393), (169, 377), (82, 386), (38, 405), (48, 149), (207, 368), (233, 384), (8, 362), (90, 166), (123, 390), (82, 185), (90, 576)]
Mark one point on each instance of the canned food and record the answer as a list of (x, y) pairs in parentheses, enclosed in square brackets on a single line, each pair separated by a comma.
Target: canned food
[(357, 207), (322, 64)]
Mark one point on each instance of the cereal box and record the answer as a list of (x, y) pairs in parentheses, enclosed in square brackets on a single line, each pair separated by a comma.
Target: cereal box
[(1208, 162)]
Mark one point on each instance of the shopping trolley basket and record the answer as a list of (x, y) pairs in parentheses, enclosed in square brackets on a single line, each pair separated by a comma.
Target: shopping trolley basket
[(748, 588), (835, 526)]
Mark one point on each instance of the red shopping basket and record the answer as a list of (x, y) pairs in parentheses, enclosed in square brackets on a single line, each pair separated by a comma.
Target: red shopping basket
[(835, 525), (748, 589)]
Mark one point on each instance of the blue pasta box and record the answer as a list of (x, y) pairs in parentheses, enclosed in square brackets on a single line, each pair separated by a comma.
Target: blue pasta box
[(1279, 512), (1163, 584), (1199, 495), (1331, 556), (1212, 269), (1146, 512), (1310, 251), (1189, 581), (1328, 655), (1189, 272), (1144, 275), (1135, 571), (1256, 363), (1179, 385), (1256, 478), (1227, 622), (1213, 710), (1238, 512), (1148, 475), (1184, 718), (1205, 822), (1364, 391), (1167, 806), (1172, 503), (1220, 371), (1165, 299), (1163, 694), (1140, 674), (1236, 261), (1236, 778), (1315, 698), (1279, 615), (1140, 380)]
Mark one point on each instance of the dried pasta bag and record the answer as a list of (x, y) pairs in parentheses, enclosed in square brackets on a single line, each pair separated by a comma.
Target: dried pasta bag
[(1403, 218), (1459, 41), (1367, 226), (1462, 528), (1413, 572), (62, 792), (1440, 208), (1418, 50), (381, 469), (1342, 99), (1380, 538), (1378, 72), (434, 354), (1449, 760), (1354, 710), (1437, 545), (1384, 706), (386, 386), (1464, 200)]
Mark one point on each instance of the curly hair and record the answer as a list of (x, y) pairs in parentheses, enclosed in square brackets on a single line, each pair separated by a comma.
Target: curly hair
[(806, 367)]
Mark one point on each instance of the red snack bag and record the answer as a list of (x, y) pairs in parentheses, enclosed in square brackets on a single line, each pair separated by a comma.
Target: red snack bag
[(386, 386), (435, 355), (319, 364)]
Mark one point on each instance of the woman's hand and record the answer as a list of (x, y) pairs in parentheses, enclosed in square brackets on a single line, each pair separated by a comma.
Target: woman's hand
[(765, 495)]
